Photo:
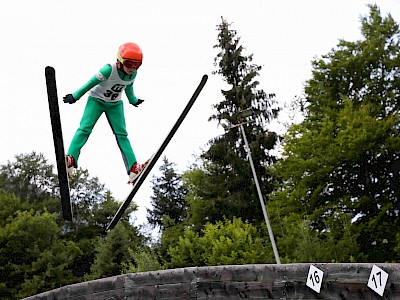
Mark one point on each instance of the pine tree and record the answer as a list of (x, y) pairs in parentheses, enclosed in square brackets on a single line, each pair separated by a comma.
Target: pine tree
[(229, 188), (112, 253), (169, 197)]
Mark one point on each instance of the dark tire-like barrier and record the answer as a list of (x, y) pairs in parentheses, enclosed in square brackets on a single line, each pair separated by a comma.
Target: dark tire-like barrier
[(286, 281)]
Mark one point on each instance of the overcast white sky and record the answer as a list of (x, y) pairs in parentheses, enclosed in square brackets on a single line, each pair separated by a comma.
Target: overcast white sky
[(177, 37)]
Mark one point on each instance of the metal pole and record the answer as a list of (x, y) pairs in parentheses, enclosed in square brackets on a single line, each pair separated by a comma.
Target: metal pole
[(271, 235)]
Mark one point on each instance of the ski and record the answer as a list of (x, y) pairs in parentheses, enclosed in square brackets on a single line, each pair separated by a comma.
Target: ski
[(156, 156), (58, 143)]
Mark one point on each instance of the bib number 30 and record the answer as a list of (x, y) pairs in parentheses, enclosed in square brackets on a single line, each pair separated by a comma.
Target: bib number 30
[(114, 92)]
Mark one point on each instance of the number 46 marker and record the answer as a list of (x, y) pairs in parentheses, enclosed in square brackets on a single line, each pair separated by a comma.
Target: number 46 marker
[(314, 278)]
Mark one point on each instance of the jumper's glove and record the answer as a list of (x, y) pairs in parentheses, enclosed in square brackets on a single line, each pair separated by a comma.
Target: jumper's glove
[(69, 99), (139, 101)]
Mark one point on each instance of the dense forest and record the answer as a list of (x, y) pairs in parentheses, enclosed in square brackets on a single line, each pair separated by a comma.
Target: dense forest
[(332, 192)]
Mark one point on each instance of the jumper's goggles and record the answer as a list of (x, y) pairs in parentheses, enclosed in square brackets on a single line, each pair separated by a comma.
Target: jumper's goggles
[(131, 64)]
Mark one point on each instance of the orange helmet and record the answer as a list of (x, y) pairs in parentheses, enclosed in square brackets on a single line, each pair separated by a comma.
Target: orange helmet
[(130, 55)]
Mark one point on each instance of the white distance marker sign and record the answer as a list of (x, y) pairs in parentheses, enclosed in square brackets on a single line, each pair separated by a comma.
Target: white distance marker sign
[(314, 278), (377, 280)]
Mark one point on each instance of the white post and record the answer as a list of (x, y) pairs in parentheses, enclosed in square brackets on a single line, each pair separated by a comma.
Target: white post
[(271, 235)]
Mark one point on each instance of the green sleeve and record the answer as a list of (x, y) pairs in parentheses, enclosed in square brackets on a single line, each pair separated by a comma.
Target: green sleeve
[(131, 94), (102, 75)]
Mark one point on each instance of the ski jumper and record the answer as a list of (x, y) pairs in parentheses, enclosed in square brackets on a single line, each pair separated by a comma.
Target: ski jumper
[(105, 91)]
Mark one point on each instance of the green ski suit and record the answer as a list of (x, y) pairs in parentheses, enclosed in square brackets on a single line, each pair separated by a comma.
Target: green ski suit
[(105, 97)]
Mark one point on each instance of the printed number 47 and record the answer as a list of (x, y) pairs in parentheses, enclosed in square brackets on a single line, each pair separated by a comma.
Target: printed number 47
[(380, 279)]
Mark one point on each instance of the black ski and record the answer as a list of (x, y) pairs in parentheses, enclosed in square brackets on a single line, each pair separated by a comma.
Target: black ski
[(58, 143), (156, 156)]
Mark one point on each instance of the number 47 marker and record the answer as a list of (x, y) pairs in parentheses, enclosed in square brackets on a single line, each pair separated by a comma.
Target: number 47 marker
[(377, 280)]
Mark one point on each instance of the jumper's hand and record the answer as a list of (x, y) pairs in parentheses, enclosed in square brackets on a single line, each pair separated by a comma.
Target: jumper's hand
[(139, 101), (69, 99)]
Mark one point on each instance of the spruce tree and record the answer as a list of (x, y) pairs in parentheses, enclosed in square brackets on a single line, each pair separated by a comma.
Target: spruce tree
[(230, 190), (168, 198)]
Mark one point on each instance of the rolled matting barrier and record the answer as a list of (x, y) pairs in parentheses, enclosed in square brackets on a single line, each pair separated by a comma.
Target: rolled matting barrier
[(261, 281)]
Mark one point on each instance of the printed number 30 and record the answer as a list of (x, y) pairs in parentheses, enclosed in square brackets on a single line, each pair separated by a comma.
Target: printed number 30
[(110, 94)]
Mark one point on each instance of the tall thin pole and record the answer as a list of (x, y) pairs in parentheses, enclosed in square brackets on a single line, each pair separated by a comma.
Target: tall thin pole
[(271, 235)]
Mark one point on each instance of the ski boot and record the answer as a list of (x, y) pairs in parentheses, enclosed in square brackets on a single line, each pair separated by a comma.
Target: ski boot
[(136, 170), (70, 165)]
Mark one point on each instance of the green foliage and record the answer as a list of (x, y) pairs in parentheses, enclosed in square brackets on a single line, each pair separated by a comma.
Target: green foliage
[(228, 242), (397, 243), (31, 179), (40, 251), (342, 161), (112, 253), (226, 188), (169, 196), (187, 252), (94, 208), (204, 203), (33, 257), (90, 198), (142, 260), (298, 243), (10, 206), (365, 71), (333, 197), (170, 234)]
